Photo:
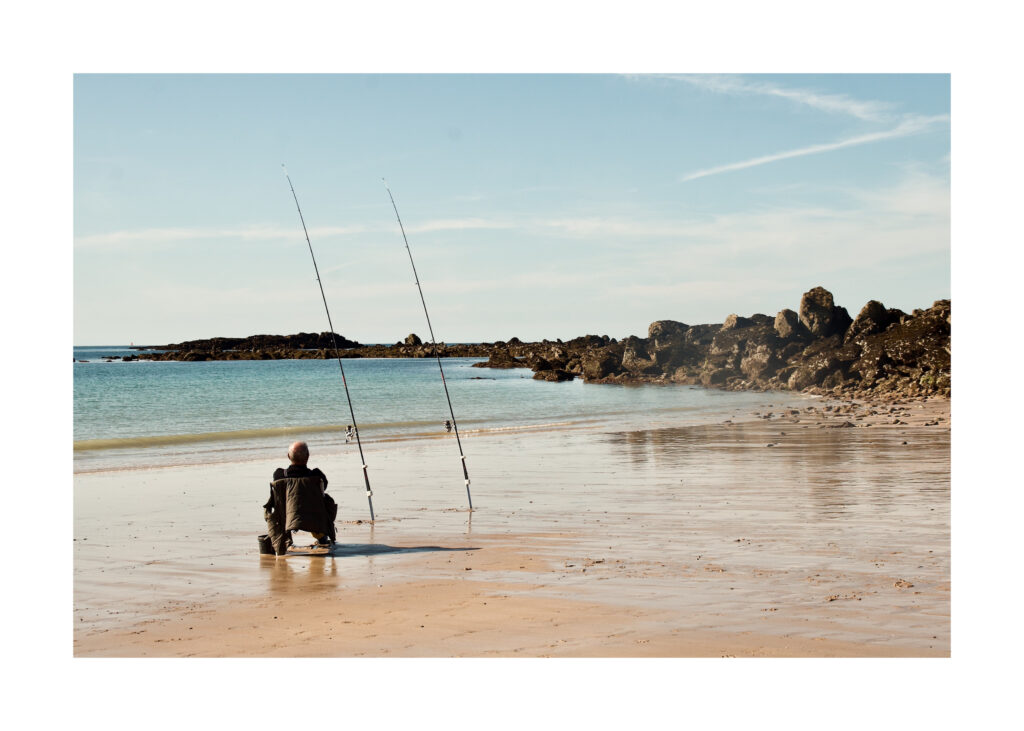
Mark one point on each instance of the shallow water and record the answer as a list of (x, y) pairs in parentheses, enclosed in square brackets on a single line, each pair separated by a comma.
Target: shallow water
[(139, 414)]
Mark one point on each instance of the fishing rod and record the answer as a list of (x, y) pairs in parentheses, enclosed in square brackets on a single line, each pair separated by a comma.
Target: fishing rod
[(455, 424), (334, 340)]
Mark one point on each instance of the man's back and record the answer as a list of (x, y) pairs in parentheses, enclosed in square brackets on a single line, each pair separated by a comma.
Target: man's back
[(300, 470)]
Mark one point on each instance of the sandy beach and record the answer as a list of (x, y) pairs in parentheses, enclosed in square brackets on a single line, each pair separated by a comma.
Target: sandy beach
[(818, 531)]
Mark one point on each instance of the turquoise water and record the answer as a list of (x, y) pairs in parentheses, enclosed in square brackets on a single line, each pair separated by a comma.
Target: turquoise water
[(149, 413)]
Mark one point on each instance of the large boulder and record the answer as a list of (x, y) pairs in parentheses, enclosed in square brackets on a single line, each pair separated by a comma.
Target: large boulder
[(664, 331), (600, 363), (873, 318), (636, 359), (671, 345), (788, 326), (820, 316), (413, 339), (557, 356), (757, 344), (734, 322)]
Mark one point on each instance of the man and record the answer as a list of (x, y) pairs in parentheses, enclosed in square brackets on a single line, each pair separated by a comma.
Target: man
[(298, 456)]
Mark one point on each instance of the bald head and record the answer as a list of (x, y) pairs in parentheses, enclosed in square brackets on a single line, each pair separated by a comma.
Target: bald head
[(298, 453)]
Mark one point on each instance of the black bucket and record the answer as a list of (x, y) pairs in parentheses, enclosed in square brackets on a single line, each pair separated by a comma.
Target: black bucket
[(266, 545)]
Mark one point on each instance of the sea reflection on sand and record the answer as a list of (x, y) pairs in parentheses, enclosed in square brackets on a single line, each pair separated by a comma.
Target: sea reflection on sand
[(836, 533), (839, 470)]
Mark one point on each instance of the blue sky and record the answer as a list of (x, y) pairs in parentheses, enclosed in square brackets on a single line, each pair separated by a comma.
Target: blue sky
[(537, 206)]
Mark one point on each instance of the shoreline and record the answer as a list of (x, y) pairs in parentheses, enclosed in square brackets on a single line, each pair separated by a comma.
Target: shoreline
[(580, 546)]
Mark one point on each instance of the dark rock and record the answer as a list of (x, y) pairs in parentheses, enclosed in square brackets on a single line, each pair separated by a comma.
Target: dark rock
[(873, 318), (537, 362), (733, 322), (812, 372), (413, 339), (555, 375), (819, 314), (501, 358), (557, 356), (586, 341), (598, 364), (636, 359), (664, 331), (716, 376), (760, 362), (788, 326)]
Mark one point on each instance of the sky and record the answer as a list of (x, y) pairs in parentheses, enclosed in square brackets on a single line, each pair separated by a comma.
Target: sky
[(536, 205)]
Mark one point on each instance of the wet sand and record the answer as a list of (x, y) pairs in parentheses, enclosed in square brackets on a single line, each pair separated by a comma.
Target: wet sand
[(772, 533)]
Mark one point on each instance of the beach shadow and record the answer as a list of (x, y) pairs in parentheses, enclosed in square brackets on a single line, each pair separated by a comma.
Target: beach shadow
[(343, 550), (322, 576), (339, 550)]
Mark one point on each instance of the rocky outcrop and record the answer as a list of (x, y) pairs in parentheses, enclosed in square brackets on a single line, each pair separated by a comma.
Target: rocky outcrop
[(816, 349), (299, 341)]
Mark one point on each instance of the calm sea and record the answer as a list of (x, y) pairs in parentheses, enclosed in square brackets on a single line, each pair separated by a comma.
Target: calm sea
[(144, 413)]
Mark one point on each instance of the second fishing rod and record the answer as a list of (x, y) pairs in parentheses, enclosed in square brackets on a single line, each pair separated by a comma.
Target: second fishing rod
[(337, 353), (433, 341)]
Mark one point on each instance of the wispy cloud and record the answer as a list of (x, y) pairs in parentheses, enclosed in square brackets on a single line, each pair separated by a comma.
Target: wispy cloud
[(135, 238), (457, 224), (176, 234), (868, 110), (910, 126)]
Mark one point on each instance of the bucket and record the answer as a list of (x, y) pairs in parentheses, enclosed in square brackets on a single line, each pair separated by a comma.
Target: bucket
[(266, 545)]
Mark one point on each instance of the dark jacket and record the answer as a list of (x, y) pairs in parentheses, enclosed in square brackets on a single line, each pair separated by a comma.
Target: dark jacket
[(300, 470), (298, 503)]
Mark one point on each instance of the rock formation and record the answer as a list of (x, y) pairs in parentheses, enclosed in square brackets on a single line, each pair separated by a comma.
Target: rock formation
[(817, 349)]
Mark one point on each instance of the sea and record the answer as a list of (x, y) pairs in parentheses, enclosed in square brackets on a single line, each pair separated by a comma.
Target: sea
[(140, 414)]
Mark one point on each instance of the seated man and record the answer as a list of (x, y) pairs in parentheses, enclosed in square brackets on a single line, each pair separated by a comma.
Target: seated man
[(298, 501)]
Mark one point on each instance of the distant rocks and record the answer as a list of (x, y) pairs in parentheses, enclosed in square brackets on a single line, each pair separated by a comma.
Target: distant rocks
[(817, 349), (255, 347), (501, 358)]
